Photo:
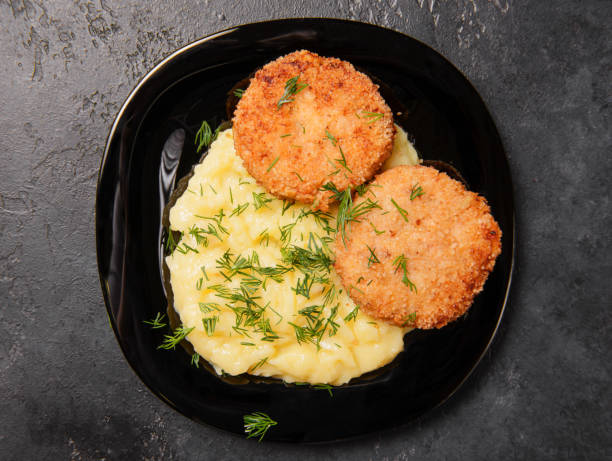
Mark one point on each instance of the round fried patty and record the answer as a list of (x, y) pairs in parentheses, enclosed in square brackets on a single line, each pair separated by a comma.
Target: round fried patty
[(421, 258), (306, 120)]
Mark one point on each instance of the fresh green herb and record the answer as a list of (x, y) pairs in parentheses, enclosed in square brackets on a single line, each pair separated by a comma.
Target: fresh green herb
[(285, 135), (231, 196), (347, 212), (286, 205), (257, 365), (243, 181), (373, 116), (257, 424), (298, 176), (373, 259), (286, 233), (378, 232), (170, 341), (272, 164), (239, 209), (303, 286), (186, 249), (264, 237), (205, 136), (403, 212), (400, 263), (260, 200), (373, 323), (157, 322), (292, 87), (409, 319), (212, 189), (303, 128), (352, 315), (199, 283), (324, 387), (245, 343), (416, 191), (342, 159), (239, 93), (209, 324), (206, 308), (203, 269), (170, 242), (195, 359), (201, 190)]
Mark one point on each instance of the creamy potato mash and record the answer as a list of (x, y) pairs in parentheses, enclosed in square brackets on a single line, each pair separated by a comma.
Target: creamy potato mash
[(236, 279)]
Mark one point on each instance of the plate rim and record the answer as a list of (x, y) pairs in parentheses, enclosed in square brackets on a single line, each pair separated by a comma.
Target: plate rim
[(305, 20)]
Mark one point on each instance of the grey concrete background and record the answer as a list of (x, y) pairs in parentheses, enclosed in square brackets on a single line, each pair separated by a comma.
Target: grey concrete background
[(543, 390)]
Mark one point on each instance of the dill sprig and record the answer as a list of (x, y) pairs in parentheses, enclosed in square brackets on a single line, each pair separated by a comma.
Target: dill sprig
[(324, 387), (400, 263), (342, 159), (195, 359), (298, 176), (378, 232), (238, 93), (401, 211), (416, 191), (206, 308), (205, 136), (171, 244), (257, 365), (239, 210), (352, 315), (373, 116), (273, 163), (210, 324), (372, 259), (347, 211), (157, 322), (409, 319), (170, 341), (257, 424), (260, 200), (292, 87)]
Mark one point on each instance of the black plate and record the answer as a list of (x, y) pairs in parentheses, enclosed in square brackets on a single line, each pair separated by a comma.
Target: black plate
[(151, 145)]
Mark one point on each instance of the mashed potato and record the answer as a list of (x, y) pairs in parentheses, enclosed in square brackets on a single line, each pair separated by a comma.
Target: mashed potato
[(236, 279)]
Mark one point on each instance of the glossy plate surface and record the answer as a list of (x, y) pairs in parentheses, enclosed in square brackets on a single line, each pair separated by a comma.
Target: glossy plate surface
[(150, 147)]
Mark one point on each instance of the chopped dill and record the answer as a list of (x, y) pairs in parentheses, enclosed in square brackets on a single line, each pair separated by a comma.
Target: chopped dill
[(400, 263), (238, 93), (352, 315), (378, 232), (401, 211), (205, 136), (239, 210), (257, 365), (292, 87), (373, 116), (199, 283), (195, 359), (210, 324), (157, 322), (170, 341), (410, 319), (260, 200), (298, 176), (324, 387), (257, 424), (416, 191), (272, 164), (212, 189), (285, 135)]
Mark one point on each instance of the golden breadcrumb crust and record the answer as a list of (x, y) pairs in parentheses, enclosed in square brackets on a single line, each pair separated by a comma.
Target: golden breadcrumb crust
[(450, 240), (286, 148)]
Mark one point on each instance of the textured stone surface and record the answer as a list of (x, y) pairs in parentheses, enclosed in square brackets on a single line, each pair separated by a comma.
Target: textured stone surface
[(542, 392)]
